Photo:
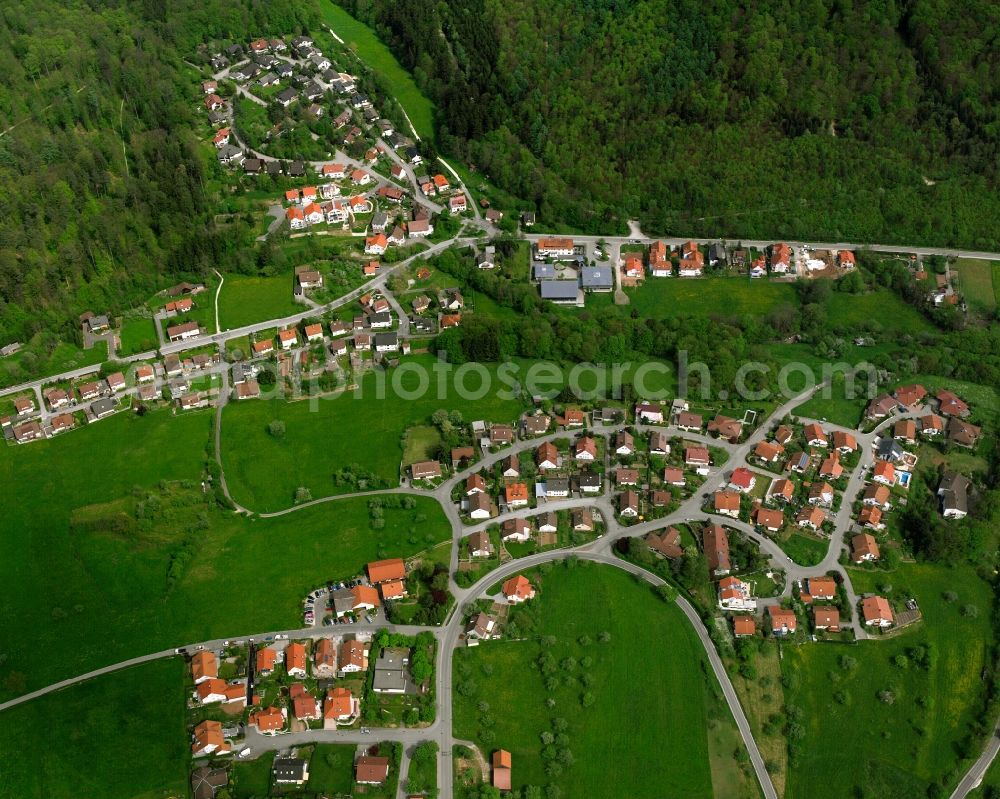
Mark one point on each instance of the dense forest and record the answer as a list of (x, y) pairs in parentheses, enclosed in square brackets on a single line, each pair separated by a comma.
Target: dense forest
[(102, 189), (825, 119)]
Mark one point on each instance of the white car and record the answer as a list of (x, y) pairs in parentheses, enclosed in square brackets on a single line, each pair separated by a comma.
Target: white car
[(244, 752)]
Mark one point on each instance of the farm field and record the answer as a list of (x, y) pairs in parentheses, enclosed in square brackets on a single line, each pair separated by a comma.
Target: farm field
[(377, 56), (73, 743), (979, 282), (245, 300), (264, 472), (651, 672), (101, 570), (898, 745)]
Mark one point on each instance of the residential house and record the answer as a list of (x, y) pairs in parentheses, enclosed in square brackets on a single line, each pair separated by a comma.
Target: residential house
[(821, 493), (204, 666), (627, 477), (844, 443), (770, 520), (659, 443), (864, 548), (715, 543), (425, 470), (811, 518), (339, 706), (585, 449), (871, 518), (649, 413), (517, 530), (950, 404), (480, 506), (480, 545), (268, 721), (628, 504), (877, 612), (769, 451), (724, 427), (727, 503), (371, 770), (674, 476), (742, 480), (905, 430), (826, 617), (667, 543), (353, 657), (516, 495), (547, 457), (814, 435), (582, 520), (518, 589), (781, 490), (744, 626), (691, 422), (482, 628), (324, 659), (783, 621), (931, 425), (910, 396), (295, 660), (884, 473), (207, 739), (734, 594), (962, 433), (953, 492), (624, 443)]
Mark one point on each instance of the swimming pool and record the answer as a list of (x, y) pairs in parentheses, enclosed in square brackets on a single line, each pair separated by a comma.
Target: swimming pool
[(904, 479)]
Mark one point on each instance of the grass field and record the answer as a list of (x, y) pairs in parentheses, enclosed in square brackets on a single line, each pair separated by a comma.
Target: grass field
[(363, 41), (331, 770), (653, 703), (245, 300), (32, 363), (836, 408), (803, 549), (421, 442), (895, 749), (116, 737), (96, 572), (979, 282), (251, 779), (713, 296), (853, 311), (138, 334), (263, 472)]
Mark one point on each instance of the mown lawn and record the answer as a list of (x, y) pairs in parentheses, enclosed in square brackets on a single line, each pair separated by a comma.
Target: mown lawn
[(979, 283), (363, 40), (421, 442), (893, 749), (646, 731), (116, 737), (138, 334), (263, 472), (711, 296), (245, 300), (84, 588)]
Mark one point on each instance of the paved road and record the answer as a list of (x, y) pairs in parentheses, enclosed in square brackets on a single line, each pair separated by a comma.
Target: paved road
[(950, 252), (974, 776)]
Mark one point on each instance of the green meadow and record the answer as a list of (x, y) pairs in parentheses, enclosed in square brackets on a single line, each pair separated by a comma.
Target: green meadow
[(642, 712), (900, 722), (120, 736), (112, 550)]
